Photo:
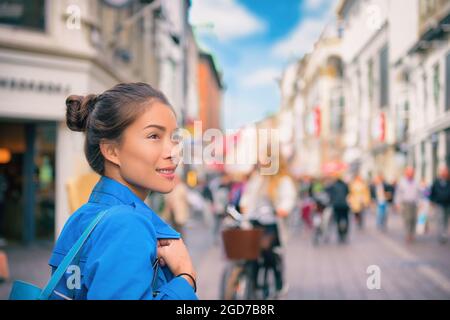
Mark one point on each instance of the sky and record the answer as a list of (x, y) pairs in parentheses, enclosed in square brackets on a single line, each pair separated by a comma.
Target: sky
[(253, 41)]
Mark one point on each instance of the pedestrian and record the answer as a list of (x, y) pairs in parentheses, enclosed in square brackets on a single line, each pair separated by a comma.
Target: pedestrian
[(407, 197), (220, 188), (131, 142), (440, 198), (268, 201), (423, 208), (338, 192), (381, 194), (359, 199), (306, 202)]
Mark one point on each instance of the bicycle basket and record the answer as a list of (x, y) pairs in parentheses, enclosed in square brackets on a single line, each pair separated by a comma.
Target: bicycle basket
[(242, 244)]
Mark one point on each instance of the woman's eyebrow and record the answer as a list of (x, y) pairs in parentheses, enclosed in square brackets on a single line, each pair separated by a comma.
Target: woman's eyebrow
[(155, 126)]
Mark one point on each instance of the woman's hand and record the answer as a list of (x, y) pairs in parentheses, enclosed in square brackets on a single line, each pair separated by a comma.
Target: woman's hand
[(163, 243), (175, 255)]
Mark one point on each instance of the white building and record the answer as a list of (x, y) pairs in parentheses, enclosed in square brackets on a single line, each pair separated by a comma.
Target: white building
[(54, 48), (421, 64), (397, 69), (366, 50), (313, 95)]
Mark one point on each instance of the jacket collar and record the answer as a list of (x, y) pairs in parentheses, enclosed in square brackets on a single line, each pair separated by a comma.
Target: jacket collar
[(110, 192)]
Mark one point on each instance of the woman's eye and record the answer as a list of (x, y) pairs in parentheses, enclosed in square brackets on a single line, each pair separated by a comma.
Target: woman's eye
[(153, 136)]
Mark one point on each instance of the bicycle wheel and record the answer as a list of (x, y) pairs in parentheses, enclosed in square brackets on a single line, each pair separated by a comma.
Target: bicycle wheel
[(237, 283), (271, 273)]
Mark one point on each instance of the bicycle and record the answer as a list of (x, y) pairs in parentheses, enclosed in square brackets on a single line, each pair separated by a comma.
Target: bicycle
[(254, 262)]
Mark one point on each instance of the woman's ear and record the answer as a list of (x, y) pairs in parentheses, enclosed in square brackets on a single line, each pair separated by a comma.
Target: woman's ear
[(110, 152)]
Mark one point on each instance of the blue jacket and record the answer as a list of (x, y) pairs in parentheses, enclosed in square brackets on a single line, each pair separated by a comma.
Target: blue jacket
[(117, 260)]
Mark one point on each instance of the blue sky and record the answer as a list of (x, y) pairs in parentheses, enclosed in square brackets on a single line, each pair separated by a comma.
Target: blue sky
[(253, 41)]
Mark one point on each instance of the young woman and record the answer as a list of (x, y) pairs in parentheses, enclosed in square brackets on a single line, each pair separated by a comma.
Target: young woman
[(131, 136)]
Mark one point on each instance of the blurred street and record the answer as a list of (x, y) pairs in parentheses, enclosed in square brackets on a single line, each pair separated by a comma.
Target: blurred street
[(327, 271), (315, 133)]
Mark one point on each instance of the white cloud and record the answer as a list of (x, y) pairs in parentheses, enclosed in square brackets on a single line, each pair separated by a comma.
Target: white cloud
[(261, 77), (230, 19), (312, 5), (302, 38)]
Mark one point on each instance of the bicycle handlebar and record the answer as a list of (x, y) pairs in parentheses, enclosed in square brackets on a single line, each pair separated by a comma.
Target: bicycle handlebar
[(236, 215)]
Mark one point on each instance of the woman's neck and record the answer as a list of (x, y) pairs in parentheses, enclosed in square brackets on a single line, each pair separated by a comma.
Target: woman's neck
[(139, 192)]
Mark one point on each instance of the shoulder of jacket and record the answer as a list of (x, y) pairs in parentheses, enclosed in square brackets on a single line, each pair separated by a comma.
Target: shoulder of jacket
[(126, 215)]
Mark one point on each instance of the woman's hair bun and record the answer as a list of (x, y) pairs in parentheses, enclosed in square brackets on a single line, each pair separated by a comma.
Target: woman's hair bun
[(78, 110)]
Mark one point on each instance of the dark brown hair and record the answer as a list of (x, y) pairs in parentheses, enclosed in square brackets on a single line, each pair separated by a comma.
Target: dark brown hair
[(106, 116)]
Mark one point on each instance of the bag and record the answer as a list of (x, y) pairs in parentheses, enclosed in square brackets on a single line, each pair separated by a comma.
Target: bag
[(26, 291)]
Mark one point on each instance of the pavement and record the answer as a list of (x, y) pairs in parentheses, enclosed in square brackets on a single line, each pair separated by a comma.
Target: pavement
[(327, 271)]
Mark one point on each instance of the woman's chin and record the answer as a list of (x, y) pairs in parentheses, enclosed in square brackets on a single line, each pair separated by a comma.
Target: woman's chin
[(165, 188)]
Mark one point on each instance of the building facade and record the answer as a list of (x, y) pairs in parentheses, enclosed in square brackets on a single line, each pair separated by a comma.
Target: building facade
[(50, 49)]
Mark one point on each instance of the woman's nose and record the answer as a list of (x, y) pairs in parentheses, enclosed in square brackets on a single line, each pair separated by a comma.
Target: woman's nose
[(172, 150)]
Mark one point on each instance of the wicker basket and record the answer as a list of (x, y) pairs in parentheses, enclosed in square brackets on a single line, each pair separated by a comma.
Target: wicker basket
[(242, 244)]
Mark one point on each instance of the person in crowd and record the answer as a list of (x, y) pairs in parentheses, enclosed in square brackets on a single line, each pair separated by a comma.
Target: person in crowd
[(381, 195), (407, 197), (440, 198), (423, 209), (359, 199), (269, 199), (220, 187), (338, 192)]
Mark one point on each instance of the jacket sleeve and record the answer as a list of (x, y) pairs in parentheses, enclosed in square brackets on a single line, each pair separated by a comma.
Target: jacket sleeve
[(119, 264)]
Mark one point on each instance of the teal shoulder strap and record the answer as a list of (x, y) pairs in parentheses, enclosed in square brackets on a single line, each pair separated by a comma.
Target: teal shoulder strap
[(65, 263)]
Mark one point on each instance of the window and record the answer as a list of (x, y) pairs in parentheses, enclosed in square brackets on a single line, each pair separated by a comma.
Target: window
[(425, 95), (447, 148), (370, 78), (403, 121), (447, 82), (338, 112), (423, 164), (436, 85), (434, 152), (23, 13), (384, 77)]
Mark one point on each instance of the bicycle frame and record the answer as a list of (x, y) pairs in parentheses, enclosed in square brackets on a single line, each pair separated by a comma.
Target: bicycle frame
[(240, 277)]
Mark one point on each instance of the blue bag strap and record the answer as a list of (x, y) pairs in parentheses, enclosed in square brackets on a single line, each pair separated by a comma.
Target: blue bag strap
[(65, 263)]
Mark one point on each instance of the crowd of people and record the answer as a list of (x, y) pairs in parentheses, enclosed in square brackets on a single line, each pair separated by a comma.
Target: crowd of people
[(337, 200), (417, 203), (327, 205)]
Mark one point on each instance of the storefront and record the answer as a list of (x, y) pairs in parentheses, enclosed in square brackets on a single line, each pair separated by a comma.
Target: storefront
[(27, 167)]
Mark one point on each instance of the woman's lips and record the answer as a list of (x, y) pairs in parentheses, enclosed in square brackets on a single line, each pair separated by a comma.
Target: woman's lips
[(168, 173)]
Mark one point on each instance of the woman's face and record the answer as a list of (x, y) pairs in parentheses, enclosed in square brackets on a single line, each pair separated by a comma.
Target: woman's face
[(148, 153)]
